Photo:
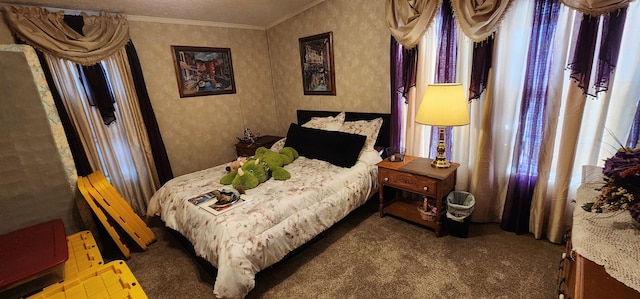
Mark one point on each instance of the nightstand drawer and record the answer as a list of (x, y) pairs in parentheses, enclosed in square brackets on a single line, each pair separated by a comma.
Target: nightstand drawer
[(407, 181)]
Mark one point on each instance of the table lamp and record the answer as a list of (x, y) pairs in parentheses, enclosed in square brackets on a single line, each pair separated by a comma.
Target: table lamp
[(443, 105)]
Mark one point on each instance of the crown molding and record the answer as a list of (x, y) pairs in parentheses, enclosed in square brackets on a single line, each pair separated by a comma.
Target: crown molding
[(137, 18)]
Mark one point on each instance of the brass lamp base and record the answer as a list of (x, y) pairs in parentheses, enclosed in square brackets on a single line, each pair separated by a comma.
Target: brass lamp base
[(441, 161)]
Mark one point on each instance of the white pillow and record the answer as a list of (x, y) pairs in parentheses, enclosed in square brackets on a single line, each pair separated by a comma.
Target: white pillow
[(369, 157), (329, 123), (276, 147), (368, 128)]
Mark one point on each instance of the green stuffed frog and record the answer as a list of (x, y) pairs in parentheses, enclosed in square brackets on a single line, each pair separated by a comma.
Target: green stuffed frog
[(262, 166), (276, 161)]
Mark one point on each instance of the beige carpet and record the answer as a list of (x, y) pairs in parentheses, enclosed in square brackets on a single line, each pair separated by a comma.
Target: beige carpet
[(365, 256)]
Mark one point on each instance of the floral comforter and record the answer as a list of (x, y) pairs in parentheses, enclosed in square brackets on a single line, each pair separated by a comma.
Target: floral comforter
[(279, 217)]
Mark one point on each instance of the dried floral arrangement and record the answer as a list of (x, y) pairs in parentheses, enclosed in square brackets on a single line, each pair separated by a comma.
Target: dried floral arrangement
[(621, 190)]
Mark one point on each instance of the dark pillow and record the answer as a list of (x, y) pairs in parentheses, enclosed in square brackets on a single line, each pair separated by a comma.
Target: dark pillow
[(338, 148)]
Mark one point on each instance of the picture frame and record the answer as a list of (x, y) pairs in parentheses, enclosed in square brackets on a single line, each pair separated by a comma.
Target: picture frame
[(203, 71), (316, 60)]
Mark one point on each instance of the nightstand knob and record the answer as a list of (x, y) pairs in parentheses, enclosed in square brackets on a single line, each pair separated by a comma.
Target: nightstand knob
[(386, 179), (425, 188)]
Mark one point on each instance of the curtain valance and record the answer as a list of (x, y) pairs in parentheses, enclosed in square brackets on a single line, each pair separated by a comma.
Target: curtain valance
[(478, 19), (595, 7), (409, 19), (102, 37)]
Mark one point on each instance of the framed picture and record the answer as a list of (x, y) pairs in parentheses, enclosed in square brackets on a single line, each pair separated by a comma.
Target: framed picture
[(203, 71), (316, 58)]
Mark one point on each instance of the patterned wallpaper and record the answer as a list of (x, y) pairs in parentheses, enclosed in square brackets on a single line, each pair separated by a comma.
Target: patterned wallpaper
[(199, 132), (361, 57)]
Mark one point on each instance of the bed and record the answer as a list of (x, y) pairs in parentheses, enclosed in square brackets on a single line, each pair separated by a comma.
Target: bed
[(335, 174)]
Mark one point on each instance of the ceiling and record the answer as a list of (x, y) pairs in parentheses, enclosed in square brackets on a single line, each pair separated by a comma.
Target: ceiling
[(250, 13)]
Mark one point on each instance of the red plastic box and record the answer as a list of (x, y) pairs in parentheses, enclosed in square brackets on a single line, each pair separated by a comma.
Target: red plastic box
[(32, 258)]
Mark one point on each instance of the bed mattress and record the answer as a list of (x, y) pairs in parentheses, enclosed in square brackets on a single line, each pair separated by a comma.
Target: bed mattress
[(278, 217)]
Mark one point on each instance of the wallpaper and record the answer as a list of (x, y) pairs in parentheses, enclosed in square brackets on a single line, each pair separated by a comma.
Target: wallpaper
[(361, 57), (199, 132)]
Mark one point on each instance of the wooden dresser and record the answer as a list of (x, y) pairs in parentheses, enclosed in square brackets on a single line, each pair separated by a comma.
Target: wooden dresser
[(582, 278)]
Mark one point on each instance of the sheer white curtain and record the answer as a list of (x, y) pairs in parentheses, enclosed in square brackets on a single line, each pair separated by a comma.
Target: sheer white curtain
[(461, 134), (582, 130), (501, 115), (137, 176), (501, 112), (416, 144), (484, 148), (120, 150)]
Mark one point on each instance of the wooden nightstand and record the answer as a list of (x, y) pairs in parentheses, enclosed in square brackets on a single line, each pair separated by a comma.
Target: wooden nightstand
[(415, 175), (249, 149)]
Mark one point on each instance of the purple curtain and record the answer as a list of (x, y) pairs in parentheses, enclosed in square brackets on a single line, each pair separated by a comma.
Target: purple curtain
[(396, 94), (524, 169), (482, 60), (445, 69), (612, 29), (634, 133), (585, 48), (613, 26), (404, 66)]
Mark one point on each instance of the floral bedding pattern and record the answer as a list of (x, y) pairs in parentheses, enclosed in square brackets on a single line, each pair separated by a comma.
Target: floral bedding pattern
[(278, 217)]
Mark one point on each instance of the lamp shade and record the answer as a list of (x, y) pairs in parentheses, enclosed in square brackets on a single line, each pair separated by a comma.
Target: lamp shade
[(444, 105)]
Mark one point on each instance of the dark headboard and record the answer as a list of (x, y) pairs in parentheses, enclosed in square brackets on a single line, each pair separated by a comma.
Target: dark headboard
[(384, 137)]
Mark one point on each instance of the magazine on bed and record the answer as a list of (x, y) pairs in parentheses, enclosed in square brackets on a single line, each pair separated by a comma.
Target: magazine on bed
[(217, 209), (218, 201), (202, 198)]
